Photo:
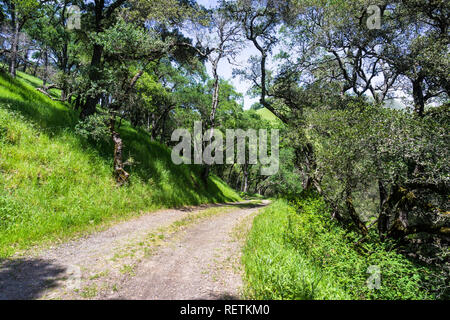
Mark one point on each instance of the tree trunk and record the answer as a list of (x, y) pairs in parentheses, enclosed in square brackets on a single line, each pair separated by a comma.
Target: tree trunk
[(35, 68), (230, 173), (90, 106), (215, 98), (64, 67), (121, 175), (45, 78), (382, 218), (245, 178), (238, 184), (352, 212), (24, 69), (419, 101), (64, 92), (14, 49), (416, 208), (310, 181), (77, 103), (153, 132), (212, 116), (205, 173)]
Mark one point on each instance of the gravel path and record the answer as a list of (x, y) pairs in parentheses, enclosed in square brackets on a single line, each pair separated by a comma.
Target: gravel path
[(169, 254)]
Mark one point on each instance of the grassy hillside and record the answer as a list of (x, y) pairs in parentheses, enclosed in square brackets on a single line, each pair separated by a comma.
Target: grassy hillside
[(54, 183), (266, 114)]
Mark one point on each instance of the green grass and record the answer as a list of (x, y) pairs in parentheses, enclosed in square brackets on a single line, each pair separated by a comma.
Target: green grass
[(274, 269), (298, 252), (55, 184), (89, 292), (266, 114)]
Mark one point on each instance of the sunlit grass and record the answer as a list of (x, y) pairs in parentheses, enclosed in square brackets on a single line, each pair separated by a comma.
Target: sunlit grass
[(298, 252), (274, 269)]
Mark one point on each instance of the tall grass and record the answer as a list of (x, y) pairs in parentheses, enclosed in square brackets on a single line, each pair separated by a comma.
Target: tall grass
[(295, 251), (274, 269), (54, 183)]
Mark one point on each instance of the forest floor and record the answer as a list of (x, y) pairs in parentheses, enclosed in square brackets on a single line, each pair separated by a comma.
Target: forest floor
[(190, 253)]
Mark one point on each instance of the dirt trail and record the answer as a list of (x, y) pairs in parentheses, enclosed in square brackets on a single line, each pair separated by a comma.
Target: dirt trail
[(170, 254)]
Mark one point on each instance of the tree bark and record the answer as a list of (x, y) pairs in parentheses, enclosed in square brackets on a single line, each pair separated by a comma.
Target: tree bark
[(230, 173), (14, 48), (245, 177), (90, 106), (35, 68), (355, 218), (45, 78), (101, 13), (212, 116), (24, 69), (419, 101), (352, 212), (121, 175), (382, 221), (406, 203)]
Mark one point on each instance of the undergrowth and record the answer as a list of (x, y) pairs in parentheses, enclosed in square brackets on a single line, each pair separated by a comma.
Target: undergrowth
[(296, 251)]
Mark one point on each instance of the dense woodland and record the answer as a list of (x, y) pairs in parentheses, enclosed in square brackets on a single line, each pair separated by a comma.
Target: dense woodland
[(363, 112)]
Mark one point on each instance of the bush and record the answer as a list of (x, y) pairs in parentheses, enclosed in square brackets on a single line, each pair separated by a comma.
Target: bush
[(94, 127)]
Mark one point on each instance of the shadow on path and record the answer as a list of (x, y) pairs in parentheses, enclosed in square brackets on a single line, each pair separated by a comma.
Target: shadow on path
[(223, 296), (26, 279)]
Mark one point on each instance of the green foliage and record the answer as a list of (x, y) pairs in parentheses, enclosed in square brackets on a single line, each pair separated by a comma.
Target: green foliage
[(297, 252), (94, 127), (328, 246), (360, 144), (127, 42), (285, 183)]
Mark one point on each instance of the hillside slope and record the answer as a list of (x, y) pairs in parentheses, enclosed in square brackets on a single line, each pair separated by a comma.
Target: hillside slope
[(54, 183), (266, 114)]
